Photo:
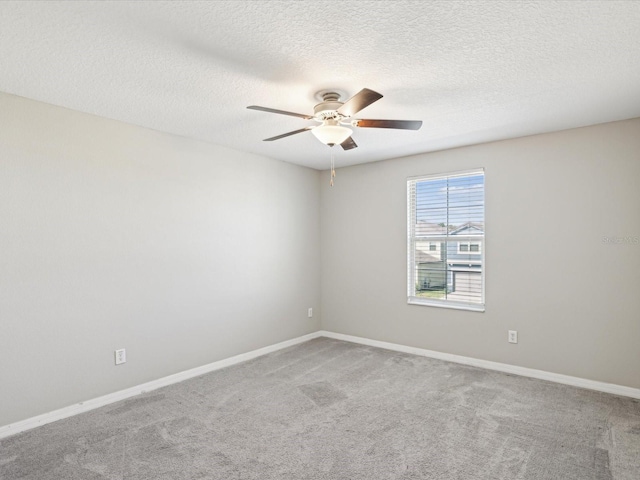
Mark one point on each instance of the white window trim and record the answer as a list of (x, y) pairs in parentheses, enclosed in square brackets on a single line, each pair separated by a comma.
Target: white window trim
[(432, 302)]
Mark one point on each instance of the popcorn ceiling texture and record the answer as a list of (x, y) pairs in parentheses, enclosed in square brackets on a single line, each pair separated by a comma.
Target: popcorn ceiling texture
[(472, 71)]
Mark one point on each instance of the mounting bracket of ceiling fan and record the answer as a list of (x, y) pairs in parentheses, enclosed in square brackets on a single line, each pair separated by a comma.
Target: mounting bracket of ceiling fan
[(333, 115), (330, 94)]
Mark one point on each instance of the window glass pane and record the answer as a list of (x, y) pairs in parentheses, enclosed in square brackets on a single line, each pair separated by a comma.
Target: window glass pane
[(449, 275)]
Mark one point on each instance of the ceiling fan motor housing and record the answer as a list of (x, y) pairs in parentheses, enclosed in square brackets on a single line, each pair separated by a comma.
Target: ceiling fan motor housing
[(327, 110)]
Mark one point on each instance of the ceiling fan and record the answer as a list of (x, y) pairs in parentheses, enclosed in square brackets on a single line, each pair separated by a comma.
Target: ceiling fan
[(332, 114)]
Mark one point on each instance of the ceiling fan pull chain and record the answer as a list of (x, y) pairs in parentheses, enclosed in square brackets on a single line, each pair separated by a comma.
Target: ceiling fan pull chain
[(333, 168)]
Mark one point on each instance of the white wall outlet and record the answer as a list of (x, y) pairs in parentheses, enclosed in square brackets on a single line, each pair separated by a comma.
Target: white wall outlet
[(121, 356), (513, 336), (310, 312)]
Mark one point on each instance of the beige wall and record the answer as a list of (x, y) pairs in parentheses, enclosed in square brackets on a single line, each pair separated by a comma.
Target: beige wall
[(114, 236), (550, 200), (185, 253)]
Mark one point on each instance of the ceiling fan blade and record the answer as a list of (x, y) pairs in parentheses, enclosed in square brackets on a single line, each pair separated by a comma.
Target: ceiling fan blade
[(281, 112), (360, 100), (400, 124), (348, 144), (287, 134)]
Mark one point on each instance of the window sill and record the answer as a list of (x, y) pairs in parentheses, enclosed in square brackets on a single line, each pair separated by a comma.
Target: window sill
[(446, 304)]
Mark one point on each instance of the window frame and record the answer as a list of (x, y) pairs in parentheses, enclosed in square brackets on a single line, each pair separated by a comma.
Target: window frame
[(412, 299)]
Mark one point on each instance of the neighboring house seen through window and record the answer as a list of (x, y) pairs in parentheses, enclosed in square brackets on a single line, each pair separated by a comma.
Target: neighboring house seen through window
[(445, 240)]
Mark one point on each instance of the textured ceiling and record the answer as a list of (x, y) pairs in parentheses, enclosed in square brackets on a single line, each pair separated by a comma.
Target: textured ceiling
[(472, 71)]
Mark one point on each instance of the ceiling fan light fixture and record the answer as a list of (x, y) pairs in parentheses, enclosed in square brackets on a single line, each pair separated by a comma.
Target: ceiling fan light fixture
[(331, 134)]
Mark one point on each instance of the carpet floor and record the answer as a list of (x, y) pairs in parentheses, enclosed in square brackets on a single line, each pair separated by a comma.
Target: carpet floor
[(328, 409)]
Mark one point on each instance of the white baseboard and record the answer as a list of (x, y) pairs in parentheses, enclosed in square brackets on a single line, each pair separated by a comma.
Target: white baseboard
[(85, 406), (500, 367), (94, 403)]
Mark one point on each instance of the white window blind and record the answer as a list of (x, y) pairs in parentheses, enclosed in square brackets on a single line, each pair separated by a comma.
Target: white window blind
[(446, 211)]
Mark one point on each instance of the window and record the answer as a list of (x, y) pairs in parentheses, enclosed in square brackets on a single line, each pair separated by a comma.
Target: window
[(469, 247), (446, 212)]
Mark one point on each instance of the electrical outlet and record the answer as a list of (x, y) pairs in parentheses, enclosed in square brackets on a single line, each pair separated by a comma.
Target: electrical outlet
[(121, 356), (513, 336), (310, 312)]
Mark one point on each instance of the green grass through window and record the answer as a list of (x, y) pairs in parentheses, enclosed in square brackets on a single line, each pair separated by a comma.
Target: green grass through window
[(431, 293)]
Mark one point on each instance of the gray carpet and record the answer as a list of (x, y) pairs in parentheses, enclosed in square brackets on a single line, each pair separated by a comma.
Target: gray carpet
[(328, 409)]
